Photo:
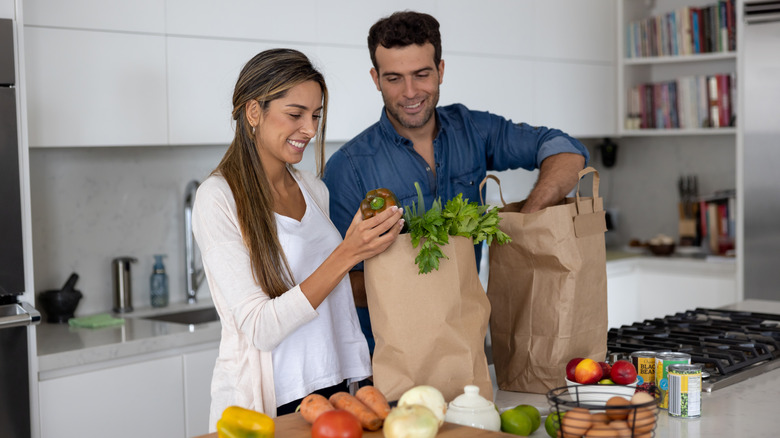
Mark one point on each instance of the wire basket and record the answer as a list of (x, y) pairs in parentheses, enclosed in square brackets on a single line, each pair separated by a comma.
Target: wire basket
[(580, 414)]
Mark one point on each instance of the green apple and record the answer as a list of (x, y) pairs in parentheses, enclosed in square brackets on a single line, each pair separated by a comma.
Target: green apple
[(606, 382)]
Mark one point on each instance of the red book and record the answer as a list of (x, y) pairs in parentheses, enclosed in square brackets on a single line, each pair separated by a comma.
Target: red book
[(724, 101)]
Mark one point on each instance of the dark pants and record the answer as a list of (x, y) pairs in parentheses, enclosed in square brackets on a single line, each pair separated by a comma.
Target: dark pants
[(289, 408)]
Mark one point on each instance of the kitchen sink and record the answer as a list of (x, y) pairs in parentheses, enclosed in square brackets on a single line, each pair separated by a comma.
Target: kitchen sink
[(196, 316)]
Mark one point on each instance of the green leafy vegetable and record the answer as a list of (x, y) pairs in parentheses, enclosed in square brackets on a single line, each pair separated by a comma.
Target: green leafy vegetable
[(429, 229)]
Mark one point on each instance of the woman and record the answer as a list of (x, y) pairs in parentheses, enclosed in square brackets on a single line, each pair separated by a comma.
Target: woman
[(275, 264)]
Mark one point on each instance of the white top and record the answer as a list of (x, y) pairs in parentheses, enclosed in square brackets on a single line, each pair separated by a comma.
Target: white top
[(253, 324), (330, 348)]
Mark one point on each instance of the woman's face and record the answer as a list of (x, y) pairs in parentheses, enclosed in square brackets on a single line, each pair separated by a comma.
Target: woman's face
[(289, 124)]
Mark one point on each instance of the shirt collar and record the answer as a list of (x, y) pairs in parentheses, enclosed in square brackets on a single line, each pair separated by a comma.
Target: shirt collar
[(391, 133)]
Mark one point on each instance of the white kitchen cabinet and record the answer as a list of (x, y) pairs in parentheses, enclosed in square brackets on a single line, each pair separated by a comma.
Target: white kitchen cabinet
[(622, 294), (646, 288), (114, 15), (574, 97), (142, 399), (88, 88), (202, 73), (198, 368), (7, 9), (279, 23), (354, 103)]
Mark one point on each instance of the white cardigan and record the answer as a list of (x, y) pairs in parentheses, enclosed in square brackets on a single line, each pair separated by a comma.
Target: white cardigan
[(245, 314)]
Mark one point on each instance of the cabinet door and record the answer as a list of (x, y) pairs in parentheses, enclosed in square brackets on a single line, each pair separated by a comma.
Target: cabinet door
[(622, 295), (354, 102), (95, 88), (501, 85), (574, 97), (666, 293), (118, 15), (198, 369), (279, 22), (129, 401), (202, 74)]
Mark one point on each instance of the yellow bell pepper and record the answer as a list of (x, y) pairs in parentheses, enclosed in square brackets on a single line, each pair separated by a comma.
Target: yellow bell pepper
[(237, 422)]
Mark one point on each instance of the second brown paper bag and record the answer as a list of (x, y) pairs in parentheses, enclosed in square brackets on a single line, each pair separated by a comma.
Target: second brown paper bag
[(548, 291), (429, 328)]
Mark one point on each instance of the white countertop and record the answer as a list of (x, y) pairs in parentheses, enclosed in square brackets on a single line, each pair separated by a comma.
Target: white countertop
[(61, 346), (744, 409)]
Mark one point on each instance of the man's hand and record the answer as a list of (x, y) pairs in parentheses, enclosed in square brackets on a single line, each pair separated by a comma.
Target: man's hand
[(558, 175)]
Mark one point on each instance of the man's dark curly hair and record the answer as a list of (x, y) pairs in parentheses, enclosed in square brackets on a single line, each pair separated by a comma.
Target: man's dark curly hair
[(403, 29)]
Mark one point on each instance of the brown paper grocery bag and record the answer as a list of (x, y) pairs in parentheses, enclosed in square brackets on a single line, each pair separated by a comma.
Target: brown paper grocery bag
[(548, 291), (429, 328)]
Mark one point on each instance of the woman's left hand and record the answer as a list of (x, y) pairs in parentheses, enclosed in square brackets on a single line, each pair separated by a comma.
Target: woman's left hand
[(367, 238)]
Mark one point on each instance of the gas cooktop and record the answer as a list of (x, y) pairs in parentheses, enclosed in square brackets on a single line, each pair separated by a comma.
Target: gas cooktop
[(732, 345)]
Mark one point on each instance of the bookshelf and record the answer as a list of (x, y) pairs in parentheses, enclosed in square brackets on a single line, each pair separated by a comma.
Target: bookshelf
[(663, 85)]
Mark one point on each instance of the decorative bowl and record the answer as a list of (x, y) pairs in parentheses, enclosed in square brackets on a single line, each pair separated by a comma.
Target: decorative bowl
[(662, 249)]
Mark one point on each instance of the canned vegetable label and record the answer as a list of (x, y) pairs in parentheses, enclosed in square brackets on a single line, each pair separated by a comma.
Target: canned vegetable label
[(644, 362), (685, 390), (662, 363)]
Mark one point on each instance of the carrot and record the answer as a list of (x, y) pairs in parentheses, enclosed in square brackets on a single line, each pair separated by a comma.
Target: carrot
[(313, 405), (374, 399), (346, 401)]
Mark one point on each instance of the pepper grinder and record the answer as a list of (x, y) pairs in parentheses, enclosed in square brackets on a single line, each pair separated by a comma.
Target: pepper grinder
[(123, 291)]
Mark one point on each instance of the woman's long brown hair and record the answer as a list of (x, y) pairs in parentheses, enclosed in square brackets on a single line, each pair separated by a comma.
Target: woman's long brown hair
[(266, 77)]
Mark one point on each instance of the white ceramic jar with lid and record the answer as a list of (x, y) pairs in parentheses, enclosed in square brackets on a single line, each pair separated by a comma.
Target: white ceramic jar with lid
[(471, 409)]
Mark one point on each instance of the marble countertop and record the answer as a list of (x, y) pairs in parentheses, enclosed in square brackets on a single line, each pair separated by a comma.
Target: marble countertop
[(61, 346)]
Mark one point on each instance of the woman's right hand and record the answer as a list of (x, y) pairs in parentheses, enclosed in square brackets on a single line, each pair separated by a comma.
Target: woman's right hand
[(367, 238)]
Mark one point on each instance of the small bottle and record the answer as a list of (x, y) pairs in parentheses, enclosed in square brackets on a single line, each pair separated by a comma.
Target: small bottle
[(158, 283)]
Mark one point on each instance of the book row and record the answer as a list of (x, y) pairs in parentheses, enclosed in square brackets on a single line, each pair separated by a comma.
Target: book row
[(689, 102), (685, 31)]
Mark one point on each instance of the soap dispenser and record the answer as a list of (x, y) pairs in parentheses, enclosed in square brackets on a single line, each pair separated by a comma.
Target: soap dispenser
[(158, 283)]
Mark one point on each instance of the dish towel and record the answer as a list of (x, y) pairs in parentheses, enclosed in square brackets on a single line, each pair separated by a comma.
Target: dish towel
[(96, 321)]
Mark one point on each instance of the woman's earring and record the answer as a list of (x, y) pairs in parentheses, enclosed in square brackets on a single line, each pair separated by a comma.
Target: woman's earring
[(253, 130)]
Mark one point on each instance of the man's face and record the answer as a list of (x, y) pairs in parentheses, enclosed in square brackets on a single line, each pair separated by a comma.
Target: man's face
[(409, 82)]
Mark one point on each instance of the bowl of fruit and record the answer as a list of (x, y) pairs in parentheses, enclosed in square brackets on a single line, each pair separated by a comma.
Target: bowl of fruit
[(591, 381)]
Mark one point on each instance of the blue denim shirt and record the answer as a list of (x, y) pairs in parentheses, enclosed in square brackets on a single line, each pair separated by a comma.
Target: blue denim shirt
[(468, 144)]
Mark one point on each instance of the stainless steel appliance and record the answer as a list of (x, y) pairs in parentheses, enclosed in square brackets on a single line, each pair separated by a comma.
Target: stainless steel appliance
[(760, 159), (732, 345), (17, 318)]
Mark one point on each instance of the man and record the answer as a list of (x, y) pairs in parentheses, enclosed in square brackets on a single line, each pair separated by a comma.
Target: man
[(448, 150)]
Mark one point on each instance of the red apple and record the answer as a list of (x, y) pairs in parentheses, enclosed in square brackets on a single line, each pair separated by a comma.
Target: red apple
[(587, 371), (605, 370), (623, 372), (570, 368)]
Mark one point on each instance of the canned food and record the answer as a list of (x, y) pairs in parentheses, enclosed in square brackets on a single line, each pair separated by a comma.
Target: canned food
[(684, 390), (662, 363), (644, 362)]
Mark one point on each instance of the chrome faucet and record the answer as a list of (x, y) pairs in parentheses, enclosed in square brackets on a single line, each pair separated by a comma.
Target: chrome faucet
[(194, 275)]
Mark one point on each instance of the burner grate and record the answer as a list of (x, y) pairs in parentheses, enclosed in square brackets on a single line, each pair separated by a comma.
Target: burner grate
[(726, 342)]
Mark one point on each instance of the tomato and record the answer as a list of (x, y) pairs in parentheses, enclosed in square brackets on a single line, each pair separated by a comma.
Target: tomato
[(336, 424)]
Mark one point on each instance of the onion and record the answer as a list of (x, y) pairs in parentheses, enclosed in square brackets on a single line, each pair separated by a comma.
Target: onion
[(410, 421), (427, 396)]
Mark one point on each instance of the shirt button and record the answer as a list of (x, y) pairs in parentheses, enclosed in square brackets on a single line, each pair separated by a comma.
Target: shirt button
[(428, 168)]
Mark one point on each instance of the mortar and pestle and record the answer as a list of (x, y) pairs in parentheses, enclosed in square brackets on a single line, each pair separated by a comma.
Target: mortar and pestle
[(60, 304)]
